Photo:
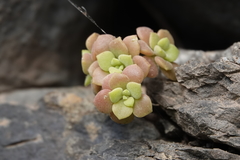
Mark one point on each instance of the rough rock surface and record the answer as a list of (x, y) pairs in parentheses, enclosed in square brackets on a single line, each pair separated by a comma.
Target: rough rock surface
[(59, 124), (205, 102), (63, 124)]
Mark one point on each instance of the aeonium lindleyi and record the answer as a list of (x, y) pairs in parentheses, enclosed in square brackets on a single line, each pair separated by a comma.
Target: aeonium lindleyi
[(121, 97)]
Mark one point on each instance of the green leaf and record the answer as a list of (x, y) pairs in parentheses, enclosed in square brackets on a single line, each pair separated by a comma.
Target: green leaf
[(129, 102), (126, 60), (114, 70), (126, 92), (87, 80), (115, 62), (121, 111), (153, 39), (164, 43), (159, 51), (115, 95), (104, 60), (135, 89), (171, 53)]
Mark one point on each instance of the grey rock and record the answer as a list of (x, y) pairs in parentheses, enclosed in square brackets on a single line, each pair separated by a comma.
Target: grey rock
[(205, 100), (59, 124), (41, 43), (151, 150)]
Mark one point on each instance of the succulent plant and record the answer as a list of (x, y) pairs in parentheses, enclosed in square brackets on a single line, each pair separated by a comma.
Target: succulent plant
[(116, 67), (121, 97), (160, 46)]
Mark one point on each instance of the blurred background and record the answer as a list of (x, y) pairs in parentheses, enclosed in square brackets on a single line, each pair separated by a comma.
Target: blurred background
[(41, 41)]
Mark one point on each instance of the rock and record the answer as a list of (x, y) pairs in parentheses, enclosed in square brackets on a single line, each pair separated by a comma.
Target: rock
[(151, 150), (205, 100), (58, 124), (41, 43)]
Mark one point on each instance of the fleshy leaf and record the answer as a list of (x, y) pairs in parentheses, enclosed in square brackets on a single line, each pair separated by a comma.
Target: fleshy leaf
[(103, 102), (115, 62), (162, 33), (98, 76), (132, 45), (115, 95), (145, 49), (126, 92), (86, 62), (153, 71), (143, 106), (117, 47), (142, 63), (129, 102), (163, 63), (153, 39), (122, 121), (90, 40), (114, 70), (121, 111), (118, 80), (104, 60), (134, 73), (164, 43), (171, 73), (144, 33), (101, 44), (85, 51), (126, 59), (159, 51), (105, 84), (88, 80), (135, 89), (171, 53), (92, 67), (95, 88)]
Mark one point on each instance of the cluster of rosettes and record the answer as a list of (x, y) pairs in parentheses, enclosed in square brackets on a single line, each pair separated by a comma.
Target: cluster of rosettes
[(116, 67)]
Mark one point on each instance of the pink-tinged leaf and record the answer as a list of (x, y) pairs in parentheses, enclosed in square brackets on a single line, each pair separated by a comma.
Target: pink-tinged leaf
[(86, 62), (143, 64), (105, 84), (92, 67), (163, 63), (153, 71), (143, 106), (132, 45), (101, 44), (118, 80), (102, 101), (122, 121), (134, 73), (95, 88), (117, 47), (145, 49), (162, 33), (90, 40), (144, 33), (98, 76), (171, 73)]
